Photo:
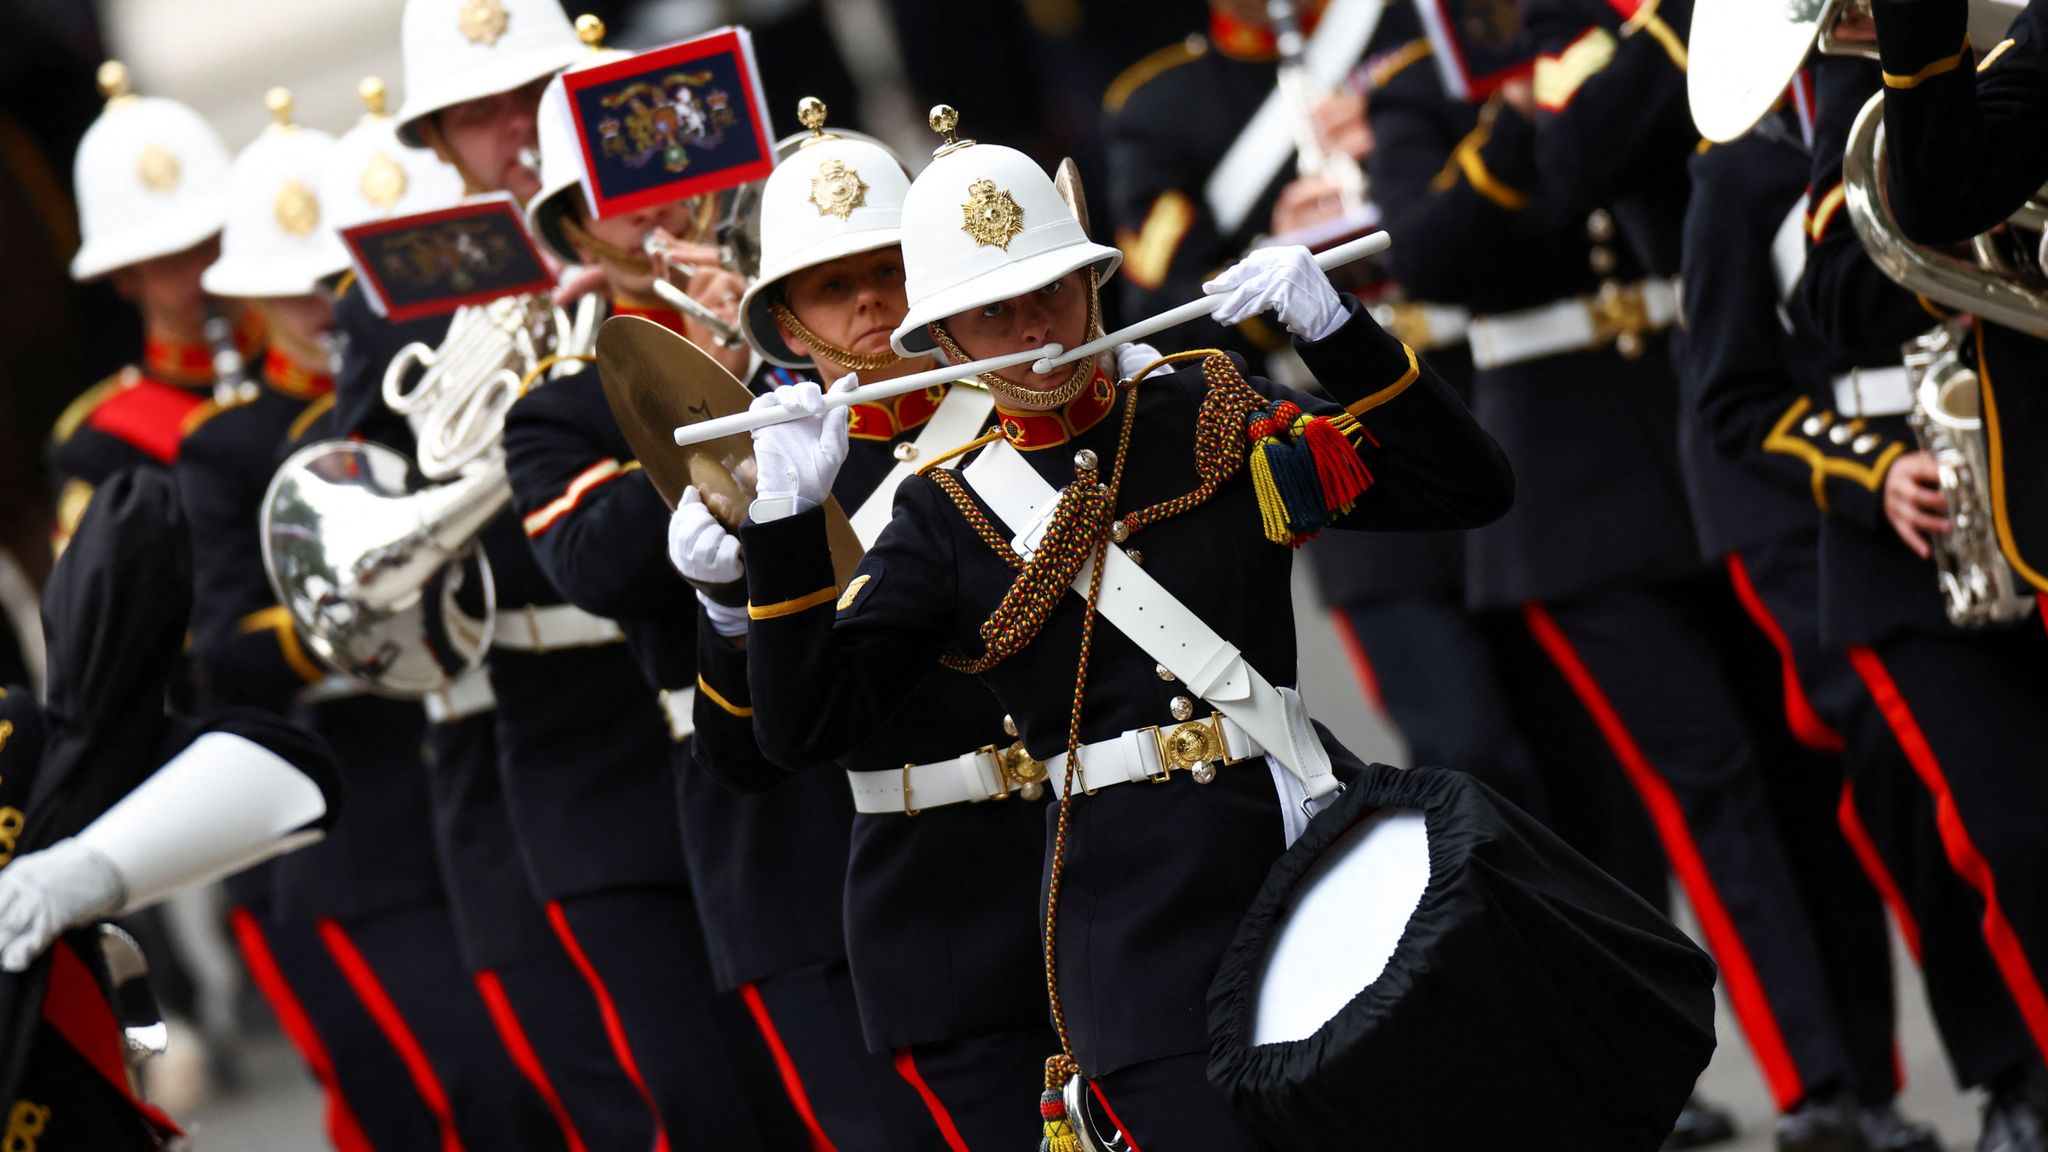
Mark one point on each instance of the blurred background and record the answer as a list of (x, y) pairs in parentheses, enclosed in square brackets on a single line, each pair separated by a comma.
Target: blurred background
[(1030, 73)]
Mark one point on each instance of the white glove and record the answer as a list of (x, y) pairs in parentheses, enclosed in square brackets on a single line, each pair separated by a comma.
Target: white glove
[(699, 546), (728, 620), (1284, 281), (797, 460), (1133, 357), (43, 894)]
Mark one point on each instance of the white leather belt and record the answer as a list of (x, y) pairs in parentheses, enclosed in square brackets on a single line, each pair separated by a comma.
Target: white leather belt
[(469, 695), (987, 773), (680, 706), (1154, 754), (1873, 392), (535, 629), (1422, 326), (1618, 312), (332, 687)]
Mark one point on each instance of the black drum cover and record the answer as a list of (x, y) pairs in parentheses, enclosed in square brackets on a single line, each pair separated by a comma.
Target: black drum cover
[(1531, 1002)]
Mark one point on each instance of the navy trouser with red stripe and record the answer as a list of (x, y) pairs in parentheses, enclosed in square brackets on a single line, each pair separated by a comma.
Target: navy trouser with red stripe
[(1960, 828), (690, 1051), (370, 1100), (1689, 696), (968, 1094)]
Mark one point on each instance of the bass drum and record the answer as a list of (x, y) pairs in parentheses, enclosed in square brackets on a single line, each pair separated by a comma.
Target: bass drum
[(1429, 967)]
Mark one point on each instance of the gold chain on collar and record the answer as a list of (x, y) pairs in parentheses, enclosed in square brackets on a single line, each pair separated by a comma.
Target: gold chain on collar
[(847, 357), (1025, 398)]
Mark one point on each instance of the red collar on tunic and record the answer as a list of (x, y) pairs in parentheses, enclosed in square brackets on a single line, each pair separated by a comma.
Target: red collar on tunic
[(294, 379), (668, 318), (1242, 41), (888, 419), (1030, 431)]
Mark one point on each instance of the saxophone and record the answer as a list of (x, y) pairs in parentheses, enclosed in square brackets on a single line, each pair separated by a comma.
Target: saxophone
[(1978, 587)]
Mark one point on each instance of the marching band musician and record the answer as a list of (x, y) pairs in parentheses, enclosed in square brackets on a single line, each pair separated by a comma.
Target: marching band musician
[(1741, 370), (1145, 883), (582, 747), (1591, 158), (1961, 159), (1946, 823), (113, 805), (945, 976), (371, 894), (771, 917), (151, 181)]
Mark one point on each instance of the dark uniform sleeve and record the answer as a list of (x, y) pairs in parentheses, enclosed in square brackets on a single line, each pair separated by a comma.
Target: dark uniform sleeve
[(1965, 148), (820, 673), (1608, 87), (1739, 374), (1434, 467), (594, 520), (1158, 210), (1860, 315), (1450, 206), (724, 746), (243, 641)]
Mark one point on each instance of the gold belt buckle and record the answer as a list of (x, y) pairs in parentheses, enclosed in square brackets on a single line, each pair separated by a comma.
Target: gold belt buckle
[(1621, 317), (1195, 747), (1018, 771)]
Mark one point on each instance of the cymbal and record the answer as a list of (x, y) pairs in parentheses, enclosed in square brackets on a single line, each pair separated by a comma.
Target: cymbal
[(656, 381)]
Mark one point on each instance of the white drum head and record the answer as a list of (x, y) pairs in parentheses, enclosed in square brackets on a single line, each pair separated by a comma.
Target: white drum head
[(1341, 925)]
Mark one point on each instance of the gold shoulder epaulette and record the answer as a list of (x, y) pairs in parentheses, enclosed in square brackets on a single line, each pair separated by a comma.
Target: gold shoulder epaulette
[(1398, 61), (1146, 70), (75, 413)]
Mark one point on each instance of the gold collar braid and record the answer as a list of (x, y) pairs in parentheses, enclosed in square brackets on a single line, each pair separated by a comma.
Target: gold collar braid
[(1022, 398), (846, 357)]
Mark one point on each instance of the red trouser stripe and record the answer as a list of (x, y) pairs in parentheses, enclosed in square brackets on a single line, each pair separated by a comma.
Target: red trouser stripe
[(791, 1082), (906, 1067), (1807, 726), (1963, 856), (343, 1130), (1738, 971), (524, 1058), (1361, 664), (76, 1006), (1129, 1140), (614, 1027), (1865, 849), (370, 990)]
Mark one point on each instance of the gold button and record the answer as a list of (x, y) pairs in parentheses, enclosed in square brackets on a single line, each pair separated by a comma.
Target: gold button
[(1086, 461), (1204, 773), (1119, 531), (1816, 424), (1865, 443), (1182, 708), (906, 451), (1841, 433), (1601, 260), (1163, 672), (1600, 226), (1009, 725)]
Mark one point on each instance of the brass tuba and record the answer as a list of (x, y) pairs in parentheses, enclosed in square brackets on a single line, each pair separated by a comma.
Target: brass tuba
[(2001, 283), (385, 582)]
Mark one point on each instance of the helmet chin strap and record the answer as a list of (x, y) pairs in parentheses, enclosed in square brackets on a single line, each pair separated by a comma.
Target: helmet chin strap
[(1017, 397), (635, 262), (819, 346)]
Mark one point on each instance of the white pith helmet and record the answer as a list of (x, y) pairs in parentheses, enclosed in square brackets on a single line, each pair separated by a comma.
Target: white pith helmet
[(372, 176), (461, 50), (151, 179), (833, 196), (561, 170), (983, 223), (276, 242)]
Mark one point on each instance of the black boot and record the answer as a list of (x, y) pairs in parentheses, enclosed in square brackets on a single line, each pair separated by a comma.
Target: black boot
[(1823, 1124), (1699, 1124), (1884, 1130)]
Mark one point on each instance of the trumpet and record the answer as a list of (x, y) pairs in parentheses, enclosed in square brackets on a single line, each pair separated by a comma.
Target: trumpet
[(723, 332)]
